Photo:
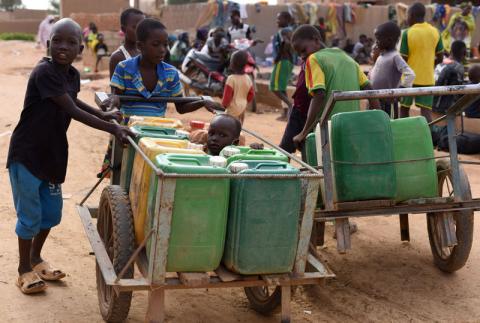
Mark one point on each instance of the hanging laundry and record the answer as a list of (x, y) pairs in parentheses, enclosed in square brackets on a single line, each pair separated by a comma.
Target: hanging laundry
[(243, 11)]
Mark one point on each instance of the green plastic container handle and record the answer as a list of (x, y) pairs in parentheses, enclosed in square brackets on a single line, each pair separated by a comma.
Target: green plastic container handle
[(262, 152), (156, 131), (271, 166), (187, 160)]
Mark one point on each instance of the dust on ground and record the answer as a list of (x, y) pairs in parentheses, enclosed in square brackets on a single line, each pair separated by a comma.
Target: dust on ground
[(381, 279)]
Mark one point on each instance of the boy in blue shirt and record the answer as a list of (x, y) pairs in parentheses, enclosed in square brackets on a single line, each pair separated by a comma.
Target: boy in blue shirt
[(148, 75), (38, 153)]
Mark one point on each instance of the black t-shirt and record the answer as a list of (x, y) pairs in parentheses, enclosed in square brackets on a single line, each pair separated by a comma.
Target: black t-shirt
[(39, 140)]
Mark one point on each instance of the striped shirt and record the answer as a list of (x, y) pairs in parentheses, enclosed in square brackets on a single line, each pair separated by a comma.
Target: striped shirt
[(128, 79)]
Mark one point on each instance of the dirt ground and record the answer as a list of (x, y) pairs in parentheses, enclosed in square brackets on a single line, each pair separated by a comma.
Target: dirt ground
[(380, 280)]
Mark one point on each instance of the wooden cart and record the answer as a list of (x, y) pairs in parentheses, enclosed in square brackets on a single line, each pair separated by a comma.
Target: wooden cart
[(113, 242), (449, 216)]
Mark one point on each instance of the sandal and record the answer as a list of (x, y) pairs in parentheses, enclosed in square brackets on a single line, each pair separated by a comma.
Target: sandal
[(31, 283), (47, 272)]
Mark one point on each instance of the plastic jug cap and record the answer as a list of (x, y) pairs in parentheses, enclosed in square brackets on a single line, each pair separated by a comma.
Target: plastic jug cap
[(238, 167), (183, 132), (230, 151), (191, 145), (217, 161)]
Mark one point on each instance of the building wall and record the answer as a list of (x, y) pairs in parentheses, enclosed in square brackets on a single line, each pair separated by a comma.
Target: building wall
[(21, 20), (67, 7)]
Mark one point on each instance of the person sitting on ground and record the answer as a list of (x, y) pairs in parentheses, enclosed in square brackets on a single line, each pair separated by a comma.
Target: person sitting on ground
[(101, 50), (421, 46), (238, 91), (473, 111), (359, 51), (38, 154), (327, 70), (129, 20), (450, 72), (224, 130), (283, 62), (390, 70), (216, 49), (238, 29)]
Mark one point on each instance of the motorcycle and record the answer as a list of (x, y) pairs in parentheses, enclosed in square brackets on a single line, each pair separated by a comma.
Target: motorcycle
[(199, 73)]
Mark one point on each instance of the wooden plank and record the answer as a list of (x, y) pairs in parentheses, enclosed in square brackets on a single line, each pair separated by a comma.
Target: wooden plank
[(225, 275), (101, 256), (286, 300), (327, 166), (306, 226), (433, 200), (341, 206), (321, 269), (194, 279), (342, 227), (404, 227), (162, 223), (156, 306), (275, 280)]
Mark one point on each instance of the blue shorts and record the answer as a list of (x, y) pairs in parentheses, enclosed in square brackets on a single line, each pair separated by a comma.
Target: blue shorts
[(38, 203)]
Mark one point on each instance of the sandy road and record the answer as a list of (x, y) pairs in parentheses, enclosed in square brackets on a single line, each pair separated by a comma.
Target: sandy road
[(380, 280)]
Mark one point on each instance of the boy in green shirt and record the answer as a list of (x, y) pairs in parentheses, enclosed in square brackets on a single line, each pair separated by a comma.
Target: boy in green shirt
[(326, 70)]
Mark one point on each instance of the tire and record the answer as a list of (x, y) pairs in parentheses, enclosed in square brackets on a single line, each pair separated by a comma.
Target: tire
[(115, 226), (262, 300), (453, 258)]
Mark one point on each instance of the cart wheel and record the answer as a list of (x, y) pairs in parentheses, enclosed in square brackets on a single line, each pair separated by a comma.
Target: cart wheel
[(451, 259), (264, 299), (115, 226)]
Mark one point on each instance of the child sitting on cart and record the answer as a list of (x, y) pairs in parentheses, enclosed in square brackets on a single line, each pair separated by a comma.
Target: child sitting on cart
[(38, 154), (224, 130)]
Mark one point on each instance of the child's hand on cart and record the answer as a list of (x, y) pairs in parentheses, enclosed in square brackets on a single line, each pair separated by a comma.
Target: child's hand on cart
[(122, 133), (112, 115), (213, 106)]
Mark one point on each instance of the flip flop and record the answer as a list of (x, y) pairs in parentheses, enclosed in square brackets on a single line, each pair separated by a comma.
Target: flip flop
[(47, 272), (31, 283)]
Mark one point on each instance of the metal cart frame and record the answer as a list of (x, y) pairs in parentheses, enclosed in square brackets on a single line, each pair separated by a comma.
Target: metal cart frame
[(461, 201), (156, 280)]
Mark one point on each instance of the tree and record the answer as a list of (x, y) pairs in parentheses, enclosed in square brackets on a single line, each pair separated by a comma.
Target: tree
[(55, 6), (9, 5)]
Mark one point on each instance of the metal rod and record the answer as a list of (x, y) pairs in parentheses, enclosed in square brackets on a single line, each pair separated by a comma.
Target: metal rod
[(417, 91), (438, 120), (166, 99), (469, 162), (134, 256), (295, 158), (105, 173)]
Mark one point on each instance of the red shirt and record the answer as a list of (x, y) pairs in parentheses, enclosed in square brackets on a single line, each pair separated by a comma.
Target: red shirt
[(301, 99)]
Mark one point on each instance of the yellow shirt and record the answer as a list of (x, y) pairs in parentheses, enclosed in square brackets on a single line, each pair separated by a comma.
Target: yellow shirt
[(420, 43)]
